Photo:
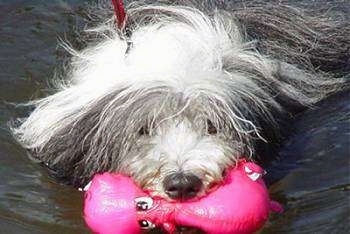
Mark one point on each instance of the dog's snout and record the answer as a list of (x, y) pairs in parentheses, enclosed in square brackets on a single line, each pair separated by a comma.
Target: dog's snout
[(181, 186)]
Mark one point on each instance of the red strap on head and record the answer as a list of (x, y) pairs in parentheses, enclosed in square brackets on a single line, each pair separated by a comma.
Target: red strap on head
[(119, 11)]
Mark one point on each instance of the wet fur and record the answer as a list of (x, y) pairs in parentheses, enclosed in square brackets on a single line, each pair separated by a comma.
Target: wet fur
[(146, 110)]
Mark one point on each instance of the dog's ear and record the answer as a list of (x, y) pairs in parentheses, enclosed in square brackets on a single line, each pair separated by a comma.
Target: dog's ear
[(65, 141), (301, 88), (297, 36), (290, 75), (66, 152)]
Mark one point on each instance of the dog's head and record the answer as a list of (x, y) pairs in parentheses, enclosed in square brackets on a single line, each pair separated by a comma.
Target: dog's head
[(175, 109)]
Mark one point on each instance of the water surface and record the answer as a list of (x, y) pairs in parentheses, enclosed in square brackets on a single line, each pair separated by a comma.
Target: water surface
[(310, 175)]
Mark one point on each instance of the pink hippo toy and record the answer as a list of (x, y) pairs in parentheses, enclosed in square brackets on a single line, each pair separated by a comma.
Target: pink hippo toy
[(241, 204)]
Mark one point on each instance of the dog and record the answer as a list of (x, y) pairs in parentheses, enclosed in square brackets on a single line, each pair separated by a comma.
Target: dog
[(183, 91)]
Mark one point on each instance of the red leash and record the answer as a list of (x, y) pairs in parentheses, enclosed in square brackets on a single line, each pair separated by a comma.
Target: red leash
[(120, 13)]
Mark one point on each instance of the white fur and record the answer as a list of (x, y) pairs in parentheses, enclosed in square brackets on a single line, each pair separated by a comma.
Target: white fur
[(203, 68)]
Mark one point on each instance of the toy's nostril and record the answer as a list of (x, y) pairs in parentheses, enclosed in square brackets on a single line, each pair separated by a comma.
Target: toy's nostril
[(181, 186)]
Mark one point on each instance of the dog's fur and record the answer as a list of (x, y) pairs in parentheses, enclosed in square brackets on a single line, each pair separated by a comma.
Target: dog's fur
[(188, 87)]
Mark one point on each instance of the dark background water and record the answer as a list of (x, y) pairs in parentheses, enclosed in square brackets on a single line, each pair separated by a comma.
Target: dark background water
[(310, 176)]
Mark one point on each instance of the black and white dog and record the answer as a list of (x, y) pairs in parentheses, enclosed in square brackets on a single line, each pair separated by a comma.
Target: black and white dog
[(184, 91)]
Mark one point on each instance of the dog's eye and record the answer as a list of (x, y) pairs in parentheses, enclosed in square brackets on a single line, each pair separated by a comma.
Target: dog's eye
[(145, 224), (144, 131), (211, 129), (143, 203)]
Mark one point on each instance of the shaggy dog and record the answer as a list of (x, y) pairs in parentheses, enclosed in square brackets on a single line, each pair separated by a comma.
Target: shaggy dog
[(183, 91)]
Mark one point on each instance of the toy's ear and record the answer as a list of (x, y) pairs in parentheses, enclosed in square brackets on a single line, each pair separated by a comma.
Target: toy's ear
[(143, 203), (110, 206)]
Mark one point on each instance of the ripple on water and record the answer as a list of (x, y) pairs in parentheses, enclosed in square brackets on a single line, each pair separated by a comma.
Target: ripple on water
[(311, 174)]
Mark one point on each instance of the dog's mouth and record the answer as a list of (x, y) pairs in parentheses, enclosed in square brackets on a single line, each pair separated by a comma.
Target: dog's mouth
[(206, 188)]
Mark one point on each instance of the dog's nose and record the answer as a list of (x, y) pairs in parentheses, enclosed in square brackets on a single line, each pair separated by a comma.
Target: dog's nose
[(181, 186)]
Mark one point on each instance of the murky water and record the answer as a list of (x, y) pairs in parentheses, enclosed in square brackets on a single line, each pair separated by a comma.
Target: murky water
[(310, 176)]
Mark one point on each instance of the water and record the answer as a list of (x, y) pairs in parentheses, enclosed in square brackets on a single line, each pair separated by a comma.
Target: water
[(310, 176), (30, 201)]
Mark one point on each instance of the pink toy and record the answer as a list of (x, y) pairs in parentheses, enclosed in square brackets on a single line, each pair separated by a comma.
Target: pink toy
[(114, 204)]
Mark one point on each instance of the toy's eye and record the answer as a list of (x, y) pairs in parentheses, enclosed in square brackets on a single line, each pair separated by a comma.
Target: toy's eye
[(248, 170), (254, 176), (143, 203), (145, 224)]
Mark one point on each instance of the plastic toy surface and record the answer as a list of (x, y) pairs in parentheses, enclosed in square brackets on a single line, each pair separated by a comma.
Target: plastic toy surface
[(241, 204)]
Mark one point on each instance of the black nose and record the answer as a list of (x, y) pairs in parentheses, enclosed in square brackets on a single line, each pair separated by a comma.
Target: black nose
[(181, 186)]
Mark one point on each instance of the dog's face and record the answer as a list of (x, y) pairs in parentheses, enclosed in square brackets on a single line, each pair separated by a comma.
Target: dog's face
[(181, 156)]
